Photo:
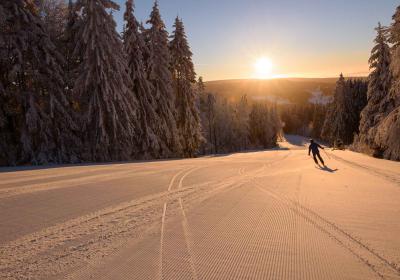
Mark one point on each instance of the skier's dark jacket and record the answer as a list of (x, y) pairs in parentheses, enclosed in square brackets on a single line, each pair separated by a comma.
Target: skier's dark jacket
[(314, 148)]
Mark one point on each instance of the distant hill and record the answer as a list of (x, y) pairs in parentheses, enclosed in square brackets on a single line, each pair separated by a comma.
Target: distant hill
[(287, 90)]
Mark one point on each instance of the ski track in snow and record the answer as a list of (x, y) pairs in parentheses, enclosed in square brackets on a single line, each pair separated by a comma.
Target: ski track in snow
[(245, 216), (385, 174), (381, 266)]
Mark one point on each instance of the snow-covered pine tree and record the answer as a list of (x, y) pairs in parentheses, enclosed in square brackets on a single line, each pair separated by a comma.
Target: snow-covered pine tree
[(184, 78), (102, 89), (36, 126), (333, 127), (387, 138), (201, 92), (379, 85), (159, 75), (141, 87), (201, 87)]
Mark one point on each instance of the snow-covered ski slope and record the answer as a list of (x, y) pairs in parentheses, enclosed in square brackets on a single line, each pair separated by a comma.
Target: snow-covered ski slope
[(257, 215)]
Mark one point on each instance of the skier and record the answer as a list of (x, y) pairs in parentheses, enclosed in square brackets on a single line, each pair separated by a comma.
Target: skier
[(314, 149)]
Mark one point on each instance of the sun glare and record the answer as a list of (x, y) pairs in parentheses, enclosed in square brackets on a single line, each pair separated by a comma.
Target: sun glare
[(263, 68)]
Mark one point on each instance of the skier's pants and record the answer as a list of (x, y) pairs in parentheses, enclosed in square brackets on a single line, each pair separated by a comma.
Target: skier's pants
[(320, 158)]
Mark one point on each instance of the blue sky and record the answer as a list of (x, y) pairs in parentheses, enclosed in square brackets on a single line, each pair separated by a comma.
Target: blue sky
[(310, 38)]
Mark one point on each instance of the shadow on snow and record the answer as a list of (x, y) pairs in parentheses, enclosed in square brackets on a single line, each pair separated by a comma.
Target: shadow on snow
[(11, 169), (327, 169)]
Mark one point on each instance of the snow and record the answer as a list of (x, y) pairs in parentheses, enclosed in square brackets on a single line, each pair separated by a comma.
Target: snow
[(256, 215), (318, 97)]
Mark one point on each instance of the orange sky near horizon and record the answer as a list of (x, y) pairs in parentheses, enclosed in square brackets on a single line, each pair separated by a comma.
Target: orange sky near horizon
[(354, 64)]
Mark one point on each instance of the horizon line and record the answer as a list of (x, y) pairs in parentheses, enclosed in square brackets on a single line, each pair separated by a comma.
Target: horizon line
[(286, 78)]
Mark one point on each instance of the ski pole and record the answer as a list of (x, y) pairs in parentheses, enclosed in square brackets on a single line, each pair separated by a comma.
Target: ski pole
[(326, 154)]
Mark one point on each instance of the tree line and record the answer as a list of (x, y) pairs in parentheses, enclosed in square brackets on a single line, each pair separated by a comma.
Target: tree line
[(72, 89), (343, 114), (336, 121), (371, 122), (237, 125)]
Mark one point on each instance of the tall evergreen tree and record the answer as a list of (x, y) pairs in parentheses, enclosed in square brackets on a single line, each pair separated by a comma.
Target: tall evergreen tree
[(35, 123), (106, 102), (387, 140), (184, 78), (159, 74), (149, 119), (334, 128), (200, 85), (379, 86)]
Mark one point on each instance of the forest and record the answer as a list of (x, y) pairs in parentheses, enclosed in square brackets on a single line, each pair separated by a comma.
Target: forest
[(365, 113), (72, 89)]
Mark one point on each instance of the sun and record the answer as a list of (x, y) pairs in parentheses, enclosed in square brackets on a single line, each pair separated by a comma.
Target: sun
[(263, 68)]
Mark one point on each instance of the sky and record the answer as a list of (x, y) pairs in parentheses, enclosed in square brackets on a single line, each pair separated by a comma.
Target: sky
[(232, 39)]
